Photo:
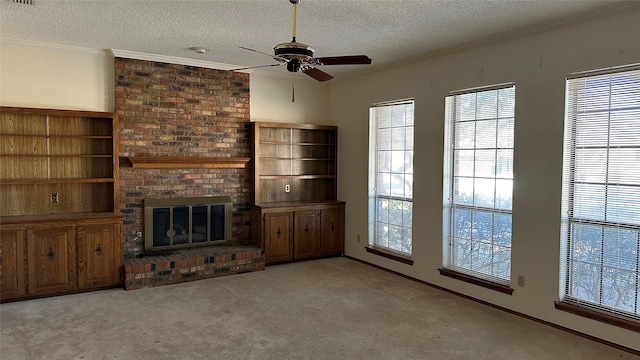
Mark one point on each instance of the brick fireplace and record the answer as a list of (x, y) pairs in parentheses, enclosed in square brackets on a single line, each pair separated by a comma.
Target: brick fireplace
[(169, 110)]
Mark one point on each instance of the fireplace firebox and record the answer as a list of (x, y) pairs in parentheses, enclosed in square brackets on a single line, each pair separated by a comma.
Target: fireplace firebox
[(178, 223)]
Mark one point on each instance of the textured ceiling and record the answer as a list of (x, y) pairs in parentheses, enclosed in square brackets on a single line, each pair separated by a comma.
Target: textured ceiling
[(388, 31)]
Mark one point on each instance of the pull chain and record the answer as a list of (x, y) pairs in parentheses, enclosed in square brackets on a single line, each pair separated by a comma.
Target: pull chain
[(293, 87)]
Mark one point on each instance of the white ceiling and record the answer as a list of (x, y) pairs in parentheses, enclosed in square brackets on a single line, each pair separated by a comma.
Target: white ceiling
[(388, 31)]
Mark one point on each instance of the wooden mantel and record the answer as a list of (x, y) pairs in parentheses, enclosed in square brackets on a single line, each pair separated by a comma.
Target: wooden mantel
[(168, 162)]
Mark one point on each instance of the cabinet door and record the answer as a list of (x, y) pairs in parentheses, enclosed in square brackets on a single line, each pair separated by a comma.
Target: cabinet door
[(278, 237), (99, 255), (306, 234), (51, 263), (332, 231), (12, 282)]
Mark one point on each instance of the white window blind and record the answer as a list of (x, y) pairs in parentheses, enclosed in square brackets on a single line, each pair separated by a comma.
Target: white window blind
[(478, 182), (391, 176), (601, 192)]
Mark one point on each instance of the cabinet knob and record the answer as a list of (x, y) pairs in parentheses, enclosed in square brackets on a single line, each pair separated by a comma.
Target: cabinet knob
[(332, 227), (51, 254), (306, 229), (278, 232), (99, 249)]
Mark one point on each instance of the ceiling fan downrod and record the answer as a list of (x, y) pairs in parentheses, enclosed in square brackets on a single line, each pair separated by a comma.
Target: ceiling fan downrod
[(295, 6)]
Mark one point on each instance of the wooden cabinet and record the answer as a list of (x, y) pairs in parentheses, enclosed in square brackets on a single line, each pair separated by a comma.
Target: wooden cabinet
[(56, 254), (299, 231), (99, 254), (332, 230), (12, 281), (278, 237), (51, 260), (295, 214), (306, 239), (58, 197)]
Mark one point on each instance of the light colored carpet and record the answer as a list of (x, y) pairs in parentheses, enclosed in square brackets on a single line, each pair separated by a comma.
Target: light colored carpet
[(323, 309)]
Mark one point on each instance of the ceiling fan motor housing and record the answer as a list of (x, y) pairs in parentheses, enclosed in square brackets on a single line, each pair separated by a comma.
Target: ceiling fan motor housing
[(297, 54)]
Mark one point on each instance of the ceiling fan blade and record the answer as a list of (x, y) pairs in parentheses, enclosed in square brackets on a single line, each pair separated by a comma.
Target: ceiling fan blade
[(277, 58), (317, 74), (345, 60), (258, 66)]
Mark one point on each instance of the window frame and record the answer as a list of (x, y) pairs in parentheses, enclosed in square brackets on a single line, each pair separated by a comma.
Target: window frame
[(374, 246), (450, 268), (569, 300)]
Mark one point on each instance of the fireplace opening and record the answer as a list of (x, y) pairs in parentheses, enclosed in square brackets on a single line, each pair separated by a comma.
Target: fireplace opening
[(187, 222)]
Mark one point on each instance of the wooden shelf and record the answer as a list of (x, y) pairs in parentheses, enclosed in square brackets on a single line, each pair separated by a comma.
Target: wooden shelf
[(59, 156), (294, 144), (295, 159), (163, 162), (55, 181), (300, 177), (59, 136)]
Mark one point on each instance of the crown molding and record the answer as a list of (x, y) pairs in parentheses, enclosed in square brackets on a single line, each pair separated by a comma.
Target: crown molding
[(173, 60), (55, 46)]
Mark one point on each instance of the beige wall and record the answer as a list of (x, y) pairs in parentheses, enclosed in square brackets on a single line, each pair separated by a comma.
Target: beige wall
[(538, 65), (271, 99), (45, 76), (63, 77)]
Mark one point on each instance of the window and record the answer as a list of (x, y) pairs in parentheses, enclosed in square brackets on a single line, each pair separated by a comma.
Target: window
[(391, 176), (478, 183), (601, 192)]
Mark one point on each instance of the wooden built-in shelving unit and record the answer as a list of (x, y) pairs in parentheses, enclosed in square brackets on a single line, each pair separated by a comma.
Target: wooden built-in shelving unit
[(59, 229), (295, 214)]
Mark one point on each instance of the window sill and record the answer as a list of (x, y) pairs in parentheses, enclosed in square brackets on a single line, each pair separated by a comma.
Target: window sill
[(598, 315), (390, 255), (476, 281)]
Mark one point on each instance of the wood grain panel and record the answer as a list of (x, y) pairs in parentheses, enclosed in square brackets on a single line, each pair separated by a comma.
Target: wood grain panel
[(274, 134), (306, 239), (52, 262), (311, 151), (274, 166), (12, 281), (332, 231), (275, 150), (80, 146), (78, 168), (36, 198), (278, 237), (25, 124), (79, 125), (23, 167), (310, 136), (23, 145), (98, 255)]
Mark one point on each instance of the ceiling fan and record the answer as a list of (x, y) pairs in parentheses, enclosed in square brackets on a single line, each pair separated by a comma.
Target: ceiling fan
[(298, 57)]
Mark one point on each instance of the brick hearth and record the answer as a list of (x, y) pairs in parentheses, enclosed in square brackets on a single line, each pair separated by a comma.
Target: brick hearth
[(189, 265)]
